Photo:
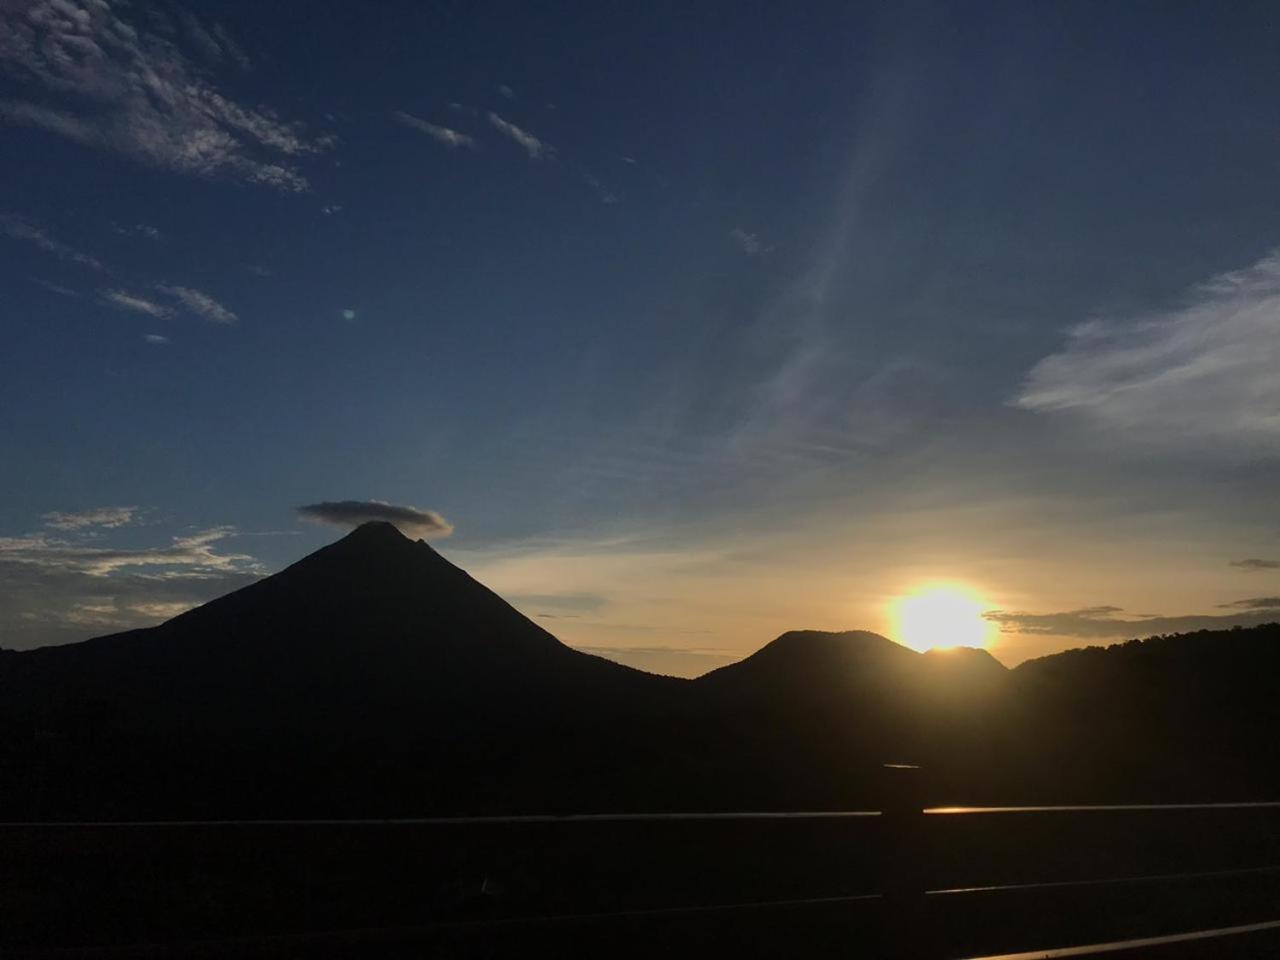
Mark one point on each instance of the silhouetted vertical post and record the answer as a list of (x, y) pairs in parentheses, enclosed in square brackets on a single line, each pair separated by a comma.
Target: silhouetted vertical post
[(902, 816)]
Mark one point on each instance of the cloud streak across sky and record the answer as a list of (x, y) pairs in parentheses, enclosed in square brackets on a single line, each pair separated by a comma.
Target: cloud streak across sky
[(536, 148), (199, 303), (17, 228), (444, 135), (136, 304), (194, 554), (108, 517)]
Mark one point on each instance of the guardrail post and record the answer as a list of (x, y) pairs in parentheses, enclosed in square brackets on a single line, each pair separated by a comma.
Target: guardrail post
[(902, 816)]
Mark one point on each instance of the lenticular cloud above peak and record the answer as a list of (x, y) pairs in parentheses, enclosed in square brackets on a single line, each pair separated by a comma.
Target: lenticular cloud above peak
[(411, 521)]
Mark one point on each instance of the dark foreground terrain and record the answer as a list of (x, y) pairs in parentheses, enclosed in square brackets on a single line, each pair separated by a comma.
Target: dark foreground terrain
[(375, 680), (625, 888)]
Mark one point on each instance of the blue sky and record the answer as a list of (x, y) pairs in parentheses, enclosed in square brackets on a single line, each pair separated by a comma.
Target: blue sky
[(710, 324)]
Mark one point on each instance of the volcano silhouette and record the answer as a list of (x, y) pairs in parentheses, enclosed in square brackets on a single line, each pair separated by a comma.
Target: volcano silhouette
[(375, 678)]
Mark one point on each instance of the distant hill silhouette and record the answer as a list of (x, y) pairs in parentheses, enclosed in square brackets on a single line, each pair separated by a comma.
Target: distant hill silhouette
[(374, 677)]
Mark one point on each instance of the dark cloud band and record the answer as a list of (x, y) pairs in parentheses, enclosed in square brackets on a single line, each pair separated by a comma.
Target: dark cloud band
[(1098, 622), (1254, 563)]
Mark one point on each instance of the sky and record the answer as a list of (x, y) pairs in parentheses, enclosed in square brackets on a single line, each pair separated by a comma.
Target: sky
[(680, 327)]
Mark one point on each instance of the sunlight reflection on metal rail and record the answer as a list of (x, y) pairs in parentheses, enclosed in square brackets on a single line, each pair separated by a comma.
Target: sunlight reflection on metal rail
[(1107, 881), (1105, 807), (655, 817), (1115, 946)]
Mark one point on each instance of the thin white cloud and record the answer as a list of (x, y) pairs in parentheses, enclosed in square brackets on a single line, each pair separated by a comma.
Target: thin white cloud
[(536, 148), (160, 609), (750, 243), (109, 517), (606, 195), (445, 135), (136, 304), (140, 230), (1203, 373), (17, 228), (155, 338), (58, 289), (106, 83), (199, 303), (192, 555), (506, 91)]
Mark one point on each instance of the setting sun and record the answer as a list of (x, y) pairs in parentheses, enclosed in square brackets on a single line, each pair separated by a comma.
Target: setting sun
[(940, 616)]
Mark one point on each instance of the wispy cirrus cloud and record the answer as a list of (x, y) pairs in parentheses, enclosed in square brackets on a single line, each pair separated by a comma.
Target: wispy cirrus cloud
[(606, 194), (412, 521), (199, 303), (193, 555), (108, 517), (536, 148), (57, 288), (194, 301), (105, 82), (18, 228), (136, 304), (1203, 373), (441, 134)]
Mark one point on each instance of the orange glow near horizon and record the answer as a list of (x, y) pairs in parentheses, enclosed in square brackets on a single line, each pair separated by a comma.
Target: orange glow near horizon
[(940, 616)]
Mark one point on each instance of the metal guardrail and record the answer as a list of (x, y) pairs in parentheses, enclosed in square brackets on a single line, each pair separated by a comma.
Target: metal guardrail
[(904, 890), (1139, 943), (570, 818)]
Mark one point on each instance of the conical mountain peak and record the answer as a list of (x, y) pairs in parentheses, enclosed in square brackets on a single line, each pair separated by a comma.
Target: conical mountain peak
[(376, 530), (378, 543)]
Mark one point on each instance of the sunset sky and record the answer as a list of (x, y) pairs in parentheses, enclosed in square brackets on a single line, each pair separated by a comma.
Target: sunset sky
[(679, 327)]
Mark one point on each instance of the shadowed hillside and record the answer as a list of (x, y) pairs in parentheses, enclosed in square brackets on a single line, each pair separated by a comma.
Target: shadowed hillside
[(375, 678)]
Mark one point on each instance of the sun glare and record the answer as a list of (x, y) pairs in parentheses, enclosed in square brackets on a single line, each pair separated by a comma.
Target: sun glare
[(941, 616)]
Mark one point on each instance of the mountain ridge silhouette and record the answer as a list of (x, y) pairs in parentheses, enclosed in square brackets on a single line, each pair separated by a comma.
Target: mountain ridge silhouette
[(373, 676)]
